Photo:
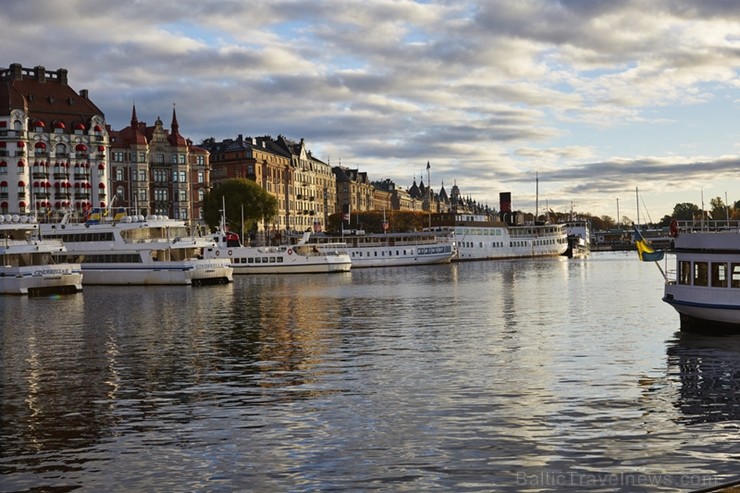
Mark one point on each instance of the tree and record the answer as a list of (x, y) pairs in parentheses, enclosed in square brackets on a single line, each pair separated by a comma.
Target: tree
[(238, 194), (685, 211), (719, 209)]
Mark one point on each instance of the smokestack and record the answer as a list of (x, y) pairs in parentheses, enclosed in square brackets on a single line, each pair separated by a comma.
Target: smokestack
[(504, 213)]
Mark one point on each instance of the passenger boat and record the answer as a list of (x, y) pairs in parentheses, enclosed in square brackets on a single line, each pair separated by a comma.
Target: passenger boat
[(579, 238), (137, 250), (394, 249), (302, 258), (478, 237), (27, 263), (704, 288)]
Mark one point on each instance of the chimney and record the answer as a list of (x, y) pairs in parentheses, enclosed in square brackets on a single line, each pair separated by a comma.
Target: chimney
[(505, 207), (16, 71), (83, 93), (40, 73), (62, 76)]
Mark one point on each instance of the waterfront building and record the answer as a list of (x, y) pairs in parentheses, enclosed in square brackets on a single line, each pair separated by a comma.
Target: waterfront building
[(53, 144), (304, 186), (354, 190), (158, 171)]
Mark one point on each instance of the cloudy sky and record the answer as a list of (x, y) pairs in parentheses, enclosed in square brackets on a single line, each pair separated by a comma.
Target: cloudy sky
[(597, 98)]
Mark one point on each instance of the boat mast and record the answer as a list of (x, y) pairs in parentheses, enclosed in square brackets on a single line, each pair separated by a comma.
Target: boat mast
[(536, 196), (637, 200)]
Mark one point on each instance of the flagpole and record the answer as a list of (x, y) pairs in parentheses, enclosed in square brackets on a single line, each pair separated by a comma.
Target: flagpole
[(429, 195)]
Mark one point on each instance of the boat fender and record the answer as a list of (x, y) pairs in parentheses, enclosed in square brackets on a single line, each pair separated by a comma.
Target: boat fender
[(218, 253), (230, 253), (674, 228), (290, 252)]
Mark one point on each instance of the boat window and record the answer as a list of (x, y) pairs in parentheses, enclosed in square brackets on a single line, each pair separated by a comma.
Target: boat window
[(684, 272), (736, 275), (272, 260), (700, 273), (719, 275)]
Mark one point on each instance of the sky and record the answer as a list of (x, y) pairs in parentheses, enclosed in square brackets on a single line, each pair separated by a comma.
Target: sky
[(585, 105)]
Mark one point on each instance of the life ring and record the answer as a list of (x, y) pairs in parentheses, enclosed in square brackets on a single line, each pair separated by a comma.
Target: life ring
[(290, 252), (674, 228), (230, 253), (218, 252)]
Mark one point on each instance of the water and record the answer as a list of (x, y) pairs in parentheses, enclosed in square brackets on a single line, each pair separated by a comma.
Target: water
[(528, 375)]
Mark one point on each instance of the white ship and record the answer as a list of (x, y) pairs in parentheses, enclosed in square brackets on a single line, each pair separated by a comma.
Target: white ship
[(302, 258), (704, 288), (27, 263), (138, 250), (394, 249), (480, 237)]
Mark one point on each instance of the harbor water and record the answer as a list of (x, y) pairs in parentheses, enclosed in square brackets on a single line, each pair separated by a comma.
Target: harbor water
[(515, 376)]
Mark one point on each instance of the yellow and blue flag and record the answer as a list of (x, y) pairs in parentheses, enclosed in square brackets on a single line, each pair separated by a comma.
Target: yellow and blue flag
[(644, 250)]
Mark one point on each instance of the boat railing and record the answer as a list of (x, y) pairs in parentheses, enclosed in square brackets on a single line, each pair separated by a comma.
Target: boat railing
[(708, 225)]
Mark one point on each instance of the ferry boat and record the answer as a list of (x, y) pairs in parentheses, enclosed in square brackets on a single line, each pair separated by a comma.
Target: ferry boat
[(479, 237), (137, 250), (394, 249), (27, 263), (704, 288), (304, 257), (579, 238)]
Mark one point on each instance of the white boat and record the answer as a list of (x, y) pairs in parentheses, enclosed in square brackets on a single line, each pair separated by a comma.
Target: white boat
[(138, 250), (704, 288), (28, 266), (480, 237), (394, 249), (301, 258), (579, 238)]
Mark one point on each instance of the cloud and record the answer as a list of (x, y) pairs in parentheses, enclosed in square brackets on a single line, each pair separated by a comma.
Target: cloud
[(487, 91)]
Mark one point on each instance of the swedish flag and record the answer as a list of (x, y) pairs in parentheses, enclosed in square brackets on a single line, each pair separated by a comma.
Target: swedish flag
[(644, 250)]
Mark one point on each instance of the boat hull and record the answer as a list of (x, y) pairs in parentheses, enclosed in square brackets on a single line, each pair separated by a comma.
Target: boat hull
[(41, 279), (196, 272), (380, 257)]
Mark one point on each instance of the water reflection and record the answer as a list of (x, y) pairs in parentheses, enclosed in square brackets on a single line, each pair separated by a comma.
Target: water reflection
[(707, 370), (448, 378)]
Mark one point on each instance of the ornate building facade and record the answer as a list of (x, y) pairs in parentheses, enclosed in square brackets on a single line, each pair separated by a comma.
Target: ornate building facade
[(303, 185), (156, 170), (53, 145)]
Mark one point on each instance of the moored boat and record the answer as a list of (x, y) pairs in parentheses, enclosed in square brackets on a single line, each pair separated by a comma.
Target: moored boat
[(480, 237), (304, 257), (28, 266), (394, 249), (138, 250), (579, 238), (704, 288)]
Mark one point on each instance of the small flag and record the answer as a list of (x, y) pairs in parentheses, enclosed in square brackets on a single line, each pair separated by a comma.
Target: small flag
[(428, 165), (644, 250)]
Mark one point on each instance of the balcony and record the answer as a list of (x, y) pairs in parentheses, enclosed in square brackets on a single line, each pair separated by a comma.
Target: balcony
[(40, 174), (61, 176)]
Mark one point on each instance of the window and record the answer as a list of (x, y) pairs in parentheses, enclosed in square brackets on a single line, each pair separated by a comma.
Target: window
[(182, 196), (142, 195), (201, 177), (119, 194), (200, 160), (142, 157), (119, 174), (159, 158), (182, 158), (684, 272), (183, 177), (142, 175), (118, 156), (736, 275), (174, 176), (201, 194), (719, 275), (700, 273)]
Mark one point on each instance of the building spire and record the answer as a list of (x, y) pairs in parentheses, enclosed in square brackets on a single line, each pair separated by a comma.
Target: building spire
[(175, 127), (134, 119)]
